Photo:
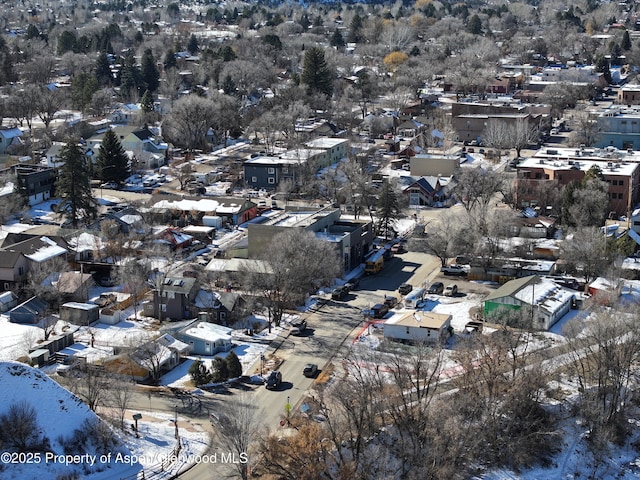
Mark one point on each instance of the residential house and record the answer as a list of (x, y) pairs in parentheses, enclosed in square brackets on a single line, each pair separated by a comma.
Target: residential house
[(173, 299), (14, 267), (10, 139), (149, 361), (125, 114), (266, 172), (621, 170), (419, 326), (604, 291), (232, 211), (206, 338), (221, 307), (71, 286), (52, 155), (410, 128), (172, 237), (148, 148), (36, 183), (427, 191), (540, 299)]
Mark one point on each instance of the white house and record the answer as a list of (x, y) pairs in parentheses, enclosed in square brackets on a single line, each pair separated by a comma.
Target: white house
[(419, 326)]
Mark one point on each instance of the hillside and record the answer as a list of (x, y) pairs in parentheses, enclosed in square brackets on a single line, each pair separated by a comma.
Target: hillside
[(61, 425)]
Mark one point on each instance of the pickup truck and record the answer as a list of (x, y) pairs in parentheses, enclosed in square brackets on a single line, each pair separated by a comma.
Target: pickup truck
[(459, 270)]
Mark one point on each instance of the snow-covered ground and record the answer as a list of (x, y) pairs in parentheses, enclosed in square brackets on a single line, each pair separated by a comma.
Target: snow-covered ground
[(60, 416)]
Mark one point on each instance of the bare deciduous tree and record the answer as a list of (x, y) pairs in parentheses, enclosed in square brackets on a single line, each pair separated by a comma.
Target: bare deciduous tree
[(294, 264), (235, 428)]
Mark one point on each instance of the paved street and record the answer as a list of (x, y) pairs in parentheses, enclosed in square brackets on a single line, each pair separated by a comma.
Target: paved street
[(330, 332)]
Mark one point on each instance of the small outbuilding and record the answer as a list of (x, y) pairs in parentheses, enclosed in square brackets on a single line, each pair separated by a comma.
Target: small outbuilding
[(80, 313)]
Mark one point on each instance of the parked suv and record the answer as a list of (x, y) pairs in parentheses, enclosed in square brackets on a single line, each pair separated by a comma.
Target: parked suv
[(274, 380), (379, 310), (451, 290), (339, 293), (405, 288), (390, 301), (436, 288)]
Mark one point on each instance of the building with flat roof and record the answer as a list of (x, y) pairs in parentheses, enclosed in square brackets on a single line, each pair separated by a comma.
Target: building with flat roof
[(564, 165), (619, 126), (353, 238)]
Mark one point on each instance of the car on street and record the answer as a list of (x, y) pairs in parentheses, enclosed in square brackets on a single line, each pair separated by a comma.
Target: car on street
[(451, 290), (405, 288), (110, 185), (436, 288), (298, 327), (274, 380), (398, 248), (379, 310), (339, 293), (310, 370), (457, 270), (352, 284)]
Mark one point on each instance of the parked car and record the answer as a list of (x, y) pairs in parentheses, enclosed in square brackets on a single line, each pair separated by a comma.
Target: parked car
[(405, 288), (390, 301), (451, 290), (398, 248), (339, 293), (379, 310), (310, 370), (274, 380), (110, 185), (459, 270), (352, 284), (298, 327), (436, 288)]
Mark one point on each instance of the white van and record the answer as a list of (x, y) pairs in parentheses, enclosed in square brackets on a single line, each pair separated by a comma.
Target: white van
[(414, 297)]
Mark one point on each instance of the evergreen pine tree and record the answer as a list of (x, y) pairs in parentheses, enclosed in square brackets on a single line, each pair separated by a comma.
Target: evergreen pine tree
[(170, 59), (112, 163), (130, 76), (315, 72), (233, 365), (337, 40), (103, 70), (228, 85), (388, 208), (219, 370), (355, 29), (7, 73), (192, 46), (199, 373), (475, 25), (146, 103), (149, 71), (74, 186), (625, 44)]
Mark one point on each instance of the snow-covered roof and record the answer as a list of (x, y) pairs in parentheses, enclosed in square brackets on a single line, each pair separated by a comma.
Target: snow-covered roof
[(86, 241), (545, 294), (202, 205), (50, 250), (209, 332)]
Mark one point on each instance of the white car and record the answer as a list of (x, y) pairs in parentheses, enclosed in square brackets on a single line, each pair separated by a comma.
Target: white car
[(459, 270)]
